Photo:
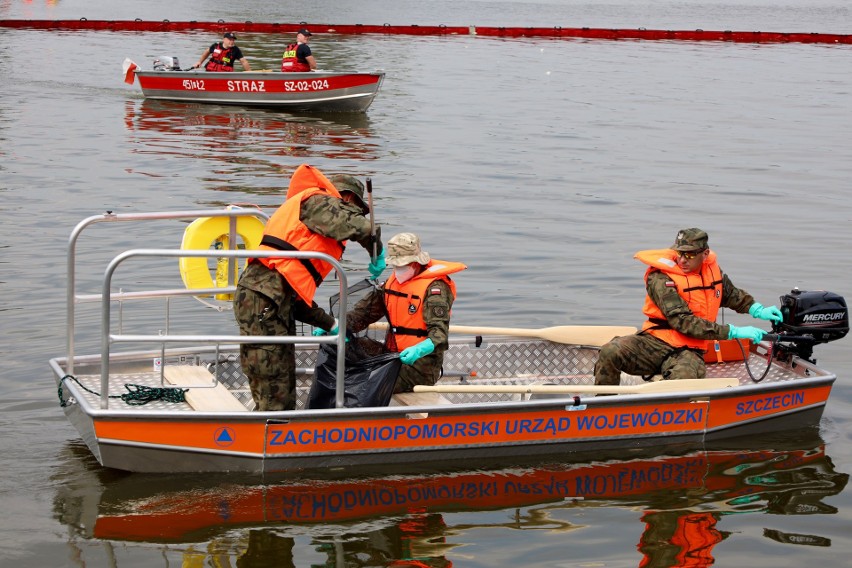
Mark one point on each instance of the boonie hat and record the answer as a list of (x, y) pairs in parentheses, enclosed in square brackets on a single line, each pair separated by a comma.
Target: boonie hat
[(404, 248), (304, 32), (351, 184), (230, 35), (690, 240)]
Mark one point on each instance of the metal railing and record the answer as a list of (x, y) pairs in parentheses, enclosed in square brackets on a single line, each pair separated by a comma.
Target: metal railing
[(108, 339)]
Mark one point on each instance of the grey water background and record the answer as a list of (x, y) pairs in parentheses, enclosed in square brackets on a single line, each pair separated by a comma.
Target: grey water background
[(542, 164)]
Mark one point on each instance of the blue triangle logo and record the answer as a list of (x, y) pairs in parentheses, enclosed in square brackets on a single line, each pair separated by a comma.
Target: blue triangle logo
[(224, 437)]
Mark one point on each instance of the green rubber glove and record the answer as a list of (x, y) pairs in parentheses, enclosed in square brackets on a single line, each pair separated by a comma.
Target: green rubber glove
[(320, 331), (771, 313), (755, 334), (377, 265), (415, 352)]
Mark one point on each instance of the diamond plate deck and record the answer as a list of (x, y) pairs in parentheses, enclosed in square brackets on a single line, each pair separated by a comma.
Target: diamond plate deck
[(497, 362)]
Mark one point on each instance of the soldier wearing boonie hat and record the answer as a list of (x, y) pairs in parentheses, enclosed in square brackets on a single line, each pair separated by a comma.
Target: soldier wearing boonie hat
[(416, 299), (223, 54), (404, 248), (685, 290)]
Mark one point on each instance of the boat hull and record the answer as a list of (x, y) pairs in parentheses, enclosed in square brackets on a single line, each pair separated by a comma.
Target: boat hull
[(318, 91), (185, 440)]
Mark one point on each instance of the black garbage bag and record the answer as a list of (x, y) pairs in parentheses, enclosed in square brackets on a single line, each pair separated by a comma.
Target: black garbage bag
[(368, 381)]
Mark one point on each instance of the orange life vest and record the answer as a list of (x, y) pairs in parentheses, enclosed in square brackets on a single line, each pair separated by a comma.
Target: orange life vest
[(289, 61), (404, 303), (702, 291), (285, 231)]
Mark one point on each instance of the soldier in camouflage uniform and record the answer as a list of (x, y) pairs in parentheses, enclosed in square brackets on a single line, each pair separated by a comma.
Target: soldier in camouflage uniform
[(416, 300), (272, 294), (685, 289)]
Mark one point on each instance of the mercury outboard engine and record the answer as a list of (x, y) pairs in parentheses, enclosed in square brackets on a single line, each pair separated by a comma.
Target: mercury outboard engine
[(166, 63), (809, 318)]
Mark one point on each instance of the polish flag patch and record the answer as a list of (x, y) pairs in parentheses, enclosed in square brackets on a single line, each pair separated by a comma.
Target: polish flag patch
[(434, 291), (129, 71), (670, 284)]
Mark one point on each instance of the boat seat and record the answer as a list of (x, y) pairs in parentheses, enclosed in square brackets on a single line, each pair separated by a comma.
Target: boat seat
[(206, 397), (419, 399)]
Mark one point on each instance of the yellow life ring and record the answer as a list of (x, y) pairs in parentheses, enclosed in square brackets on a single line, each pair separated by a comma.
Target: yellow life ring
[(212, 232)]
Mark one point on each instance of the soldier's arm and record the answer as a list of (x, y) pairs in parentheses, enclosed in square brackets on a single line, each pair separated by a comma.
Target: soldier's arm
[(436, 313), (334, 218), (663, 292), (312, 315), (734, 298), (369, 309)]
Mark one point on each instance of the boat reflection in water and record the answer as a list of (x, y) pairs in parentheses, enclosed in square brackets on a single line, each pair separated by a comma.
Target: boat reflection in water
[(247, 136), (401, 519)]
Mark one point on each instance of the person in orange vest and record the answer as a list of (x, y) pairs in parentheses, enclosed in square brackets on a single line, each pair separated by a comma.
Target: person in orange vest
[(685, 289), (416, 299), (297, 56), (222, 55), (273, 293)]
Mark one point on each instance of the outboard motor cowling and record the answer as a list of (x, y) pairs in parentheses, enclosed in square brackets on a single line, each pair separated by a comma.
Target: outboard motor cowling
[(811, 317), (819, 314), (166, 63)]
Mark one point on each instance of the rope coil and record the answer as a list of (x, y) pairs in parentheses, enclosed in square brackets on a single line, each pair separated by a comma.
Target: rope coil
[(136, 395)]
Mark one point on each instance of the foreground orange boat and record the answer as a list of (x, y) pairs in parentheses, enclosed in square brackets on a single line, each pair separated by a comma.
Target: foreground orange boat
[(506, 391)]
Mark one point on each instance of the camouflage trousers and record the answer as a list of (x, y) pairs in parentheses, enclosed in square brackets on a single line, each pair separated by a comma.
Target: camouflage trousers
[(424, 371), (263, 305), (643, 354)]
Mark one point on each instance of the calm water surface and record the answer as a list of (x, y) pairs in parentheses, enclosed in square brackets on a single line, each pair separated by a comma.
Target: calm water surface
[(544, 165)]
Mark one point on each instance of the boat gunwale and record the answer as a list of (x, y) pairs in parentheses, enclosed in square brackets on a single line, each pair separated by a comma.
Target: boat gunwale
[(489, 407), (294, 75)]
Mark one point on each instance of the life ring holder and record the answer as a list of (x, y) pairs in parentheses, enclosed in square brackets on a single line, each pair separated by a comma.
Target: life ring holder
[(213, 232)]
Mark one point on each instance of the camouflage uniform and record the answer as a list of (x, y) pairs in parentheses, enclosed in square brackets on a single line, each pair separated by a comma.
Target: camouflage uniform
[(644, 354), (436, 315), (266, 304)]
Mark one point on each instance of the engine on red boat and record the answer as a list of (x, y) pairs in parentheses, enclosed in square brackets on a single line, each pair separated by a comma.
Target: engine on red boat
[(166, 63)]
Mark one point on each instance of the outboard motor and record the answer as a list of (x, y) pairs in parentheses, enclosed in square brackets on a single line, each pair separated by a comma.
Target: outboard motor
[(166, 63), (810, 318)]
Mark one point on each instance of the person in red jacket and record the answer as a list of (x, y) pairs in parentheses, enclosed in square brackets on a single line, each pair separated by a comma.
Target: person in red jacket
[(685, 289), (222, 55), (416, 299), (297, 56)]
